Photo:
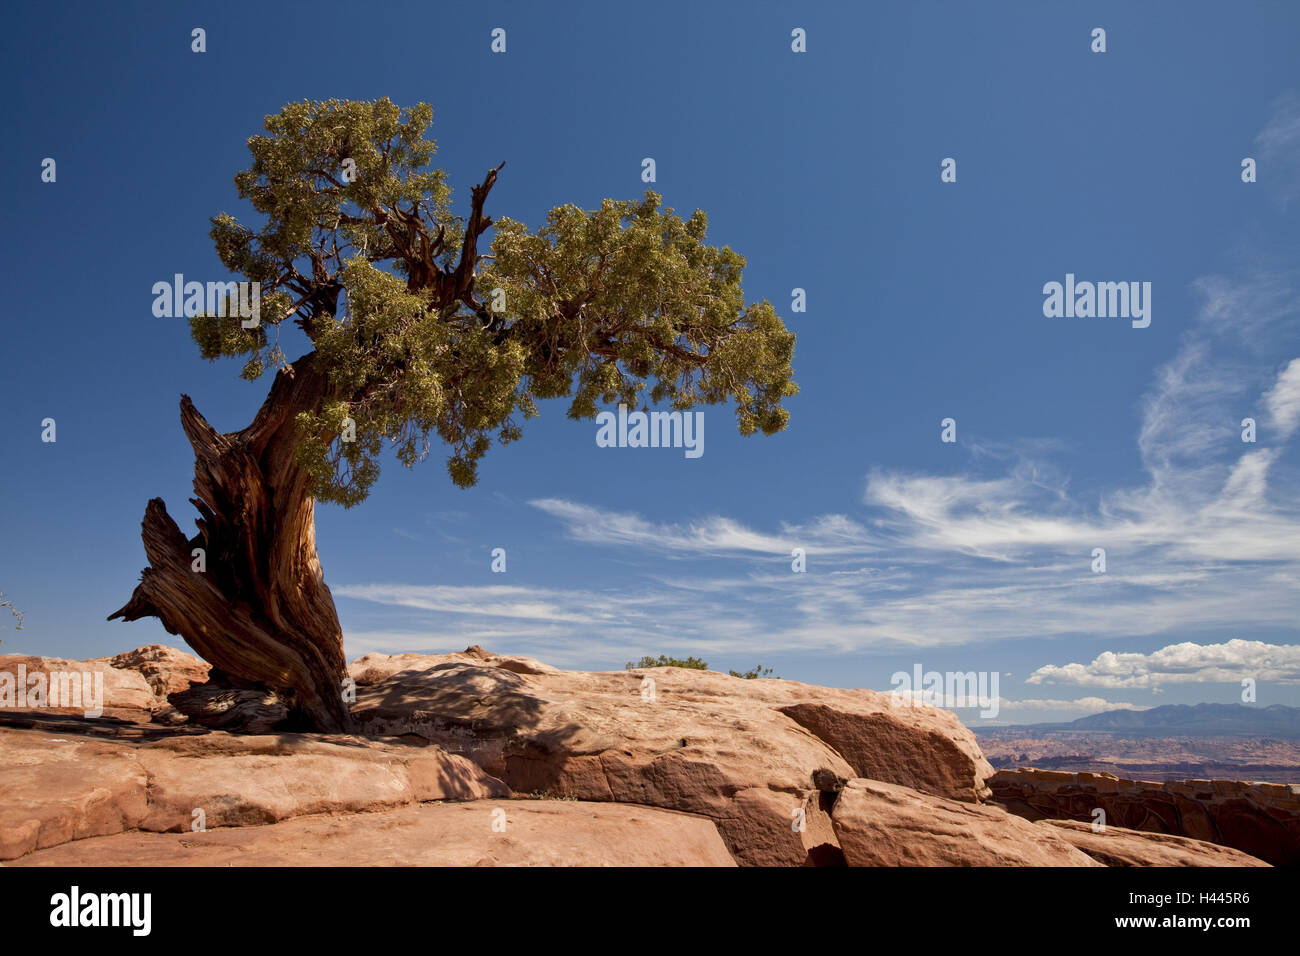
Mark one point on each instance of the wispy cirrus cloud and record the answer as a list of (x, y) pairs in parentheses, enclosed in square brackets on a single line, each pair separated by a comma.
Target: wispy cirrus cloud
[(1279, 146), (1202, 536), (484, 601), (710, 536), (1283, 400)]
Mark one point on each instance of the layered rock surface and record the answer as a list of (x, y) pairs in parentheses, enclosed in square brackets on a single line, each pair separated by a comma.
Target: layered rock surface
[(1117, 846), (135, 684), (663, 766), (56, 788), (1259, 819), (742, 752), (525, 833), (881, 824)]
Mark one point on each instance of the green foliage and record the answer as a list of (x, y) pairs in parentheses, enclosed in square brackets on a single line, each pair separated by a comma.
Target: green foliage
[(694, 663), (757, 672), (611, 298), (621, 303)]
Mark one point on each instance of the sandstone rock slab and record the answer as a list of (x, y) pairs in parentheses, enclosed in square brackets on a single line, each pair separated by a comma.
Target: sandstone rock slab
[(669, 737), (1117, 846), (536, 833), (883, 824), (59, 788)]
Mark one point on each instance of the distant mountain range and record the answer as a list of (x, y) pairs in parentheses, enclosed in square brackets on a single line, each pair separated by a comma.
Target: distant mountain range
[(1187, 720)]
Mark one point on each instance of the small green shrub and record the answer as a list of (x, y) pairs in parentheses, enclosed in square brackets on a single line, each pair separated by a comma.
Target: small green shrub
[(759, 671), (694, 663)]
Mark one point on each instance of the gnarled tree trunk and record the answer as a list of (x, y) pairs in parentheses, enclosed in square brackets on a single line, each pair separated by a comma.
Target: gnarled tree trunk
[(260, 611)]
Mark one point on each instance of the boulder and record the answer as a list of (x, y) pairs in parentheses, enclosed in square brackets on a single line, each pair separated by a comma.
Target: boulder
[(123, 689), (136, 684), (166, 669), (923, 747)]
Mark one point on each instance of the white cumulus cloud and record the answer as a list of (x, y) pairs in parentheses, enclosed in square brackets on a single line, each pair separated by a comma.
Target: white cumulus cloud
[(1180, 664)]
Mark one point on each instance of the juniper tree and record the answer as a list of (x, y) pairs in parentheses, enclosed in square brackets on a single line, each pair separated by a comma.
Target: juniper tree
[(417, 336)]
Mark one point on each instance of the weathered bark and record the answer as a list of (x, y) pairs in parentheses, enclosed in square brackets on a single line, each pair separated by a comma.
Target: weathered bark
[(261, 610)]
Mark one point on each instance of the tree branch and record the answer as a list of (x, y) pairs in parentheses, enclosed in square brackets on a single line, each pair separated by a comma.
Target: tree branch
[(461, 282)]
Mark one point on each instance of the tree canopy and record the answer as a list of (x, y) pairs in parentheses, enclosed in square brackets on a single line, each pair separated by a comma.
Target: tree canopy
[(419, 334)]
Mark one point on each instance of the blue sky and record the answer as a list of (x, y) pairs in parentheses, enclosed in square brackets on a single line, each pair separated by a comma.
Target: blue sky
[(924, 301)]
